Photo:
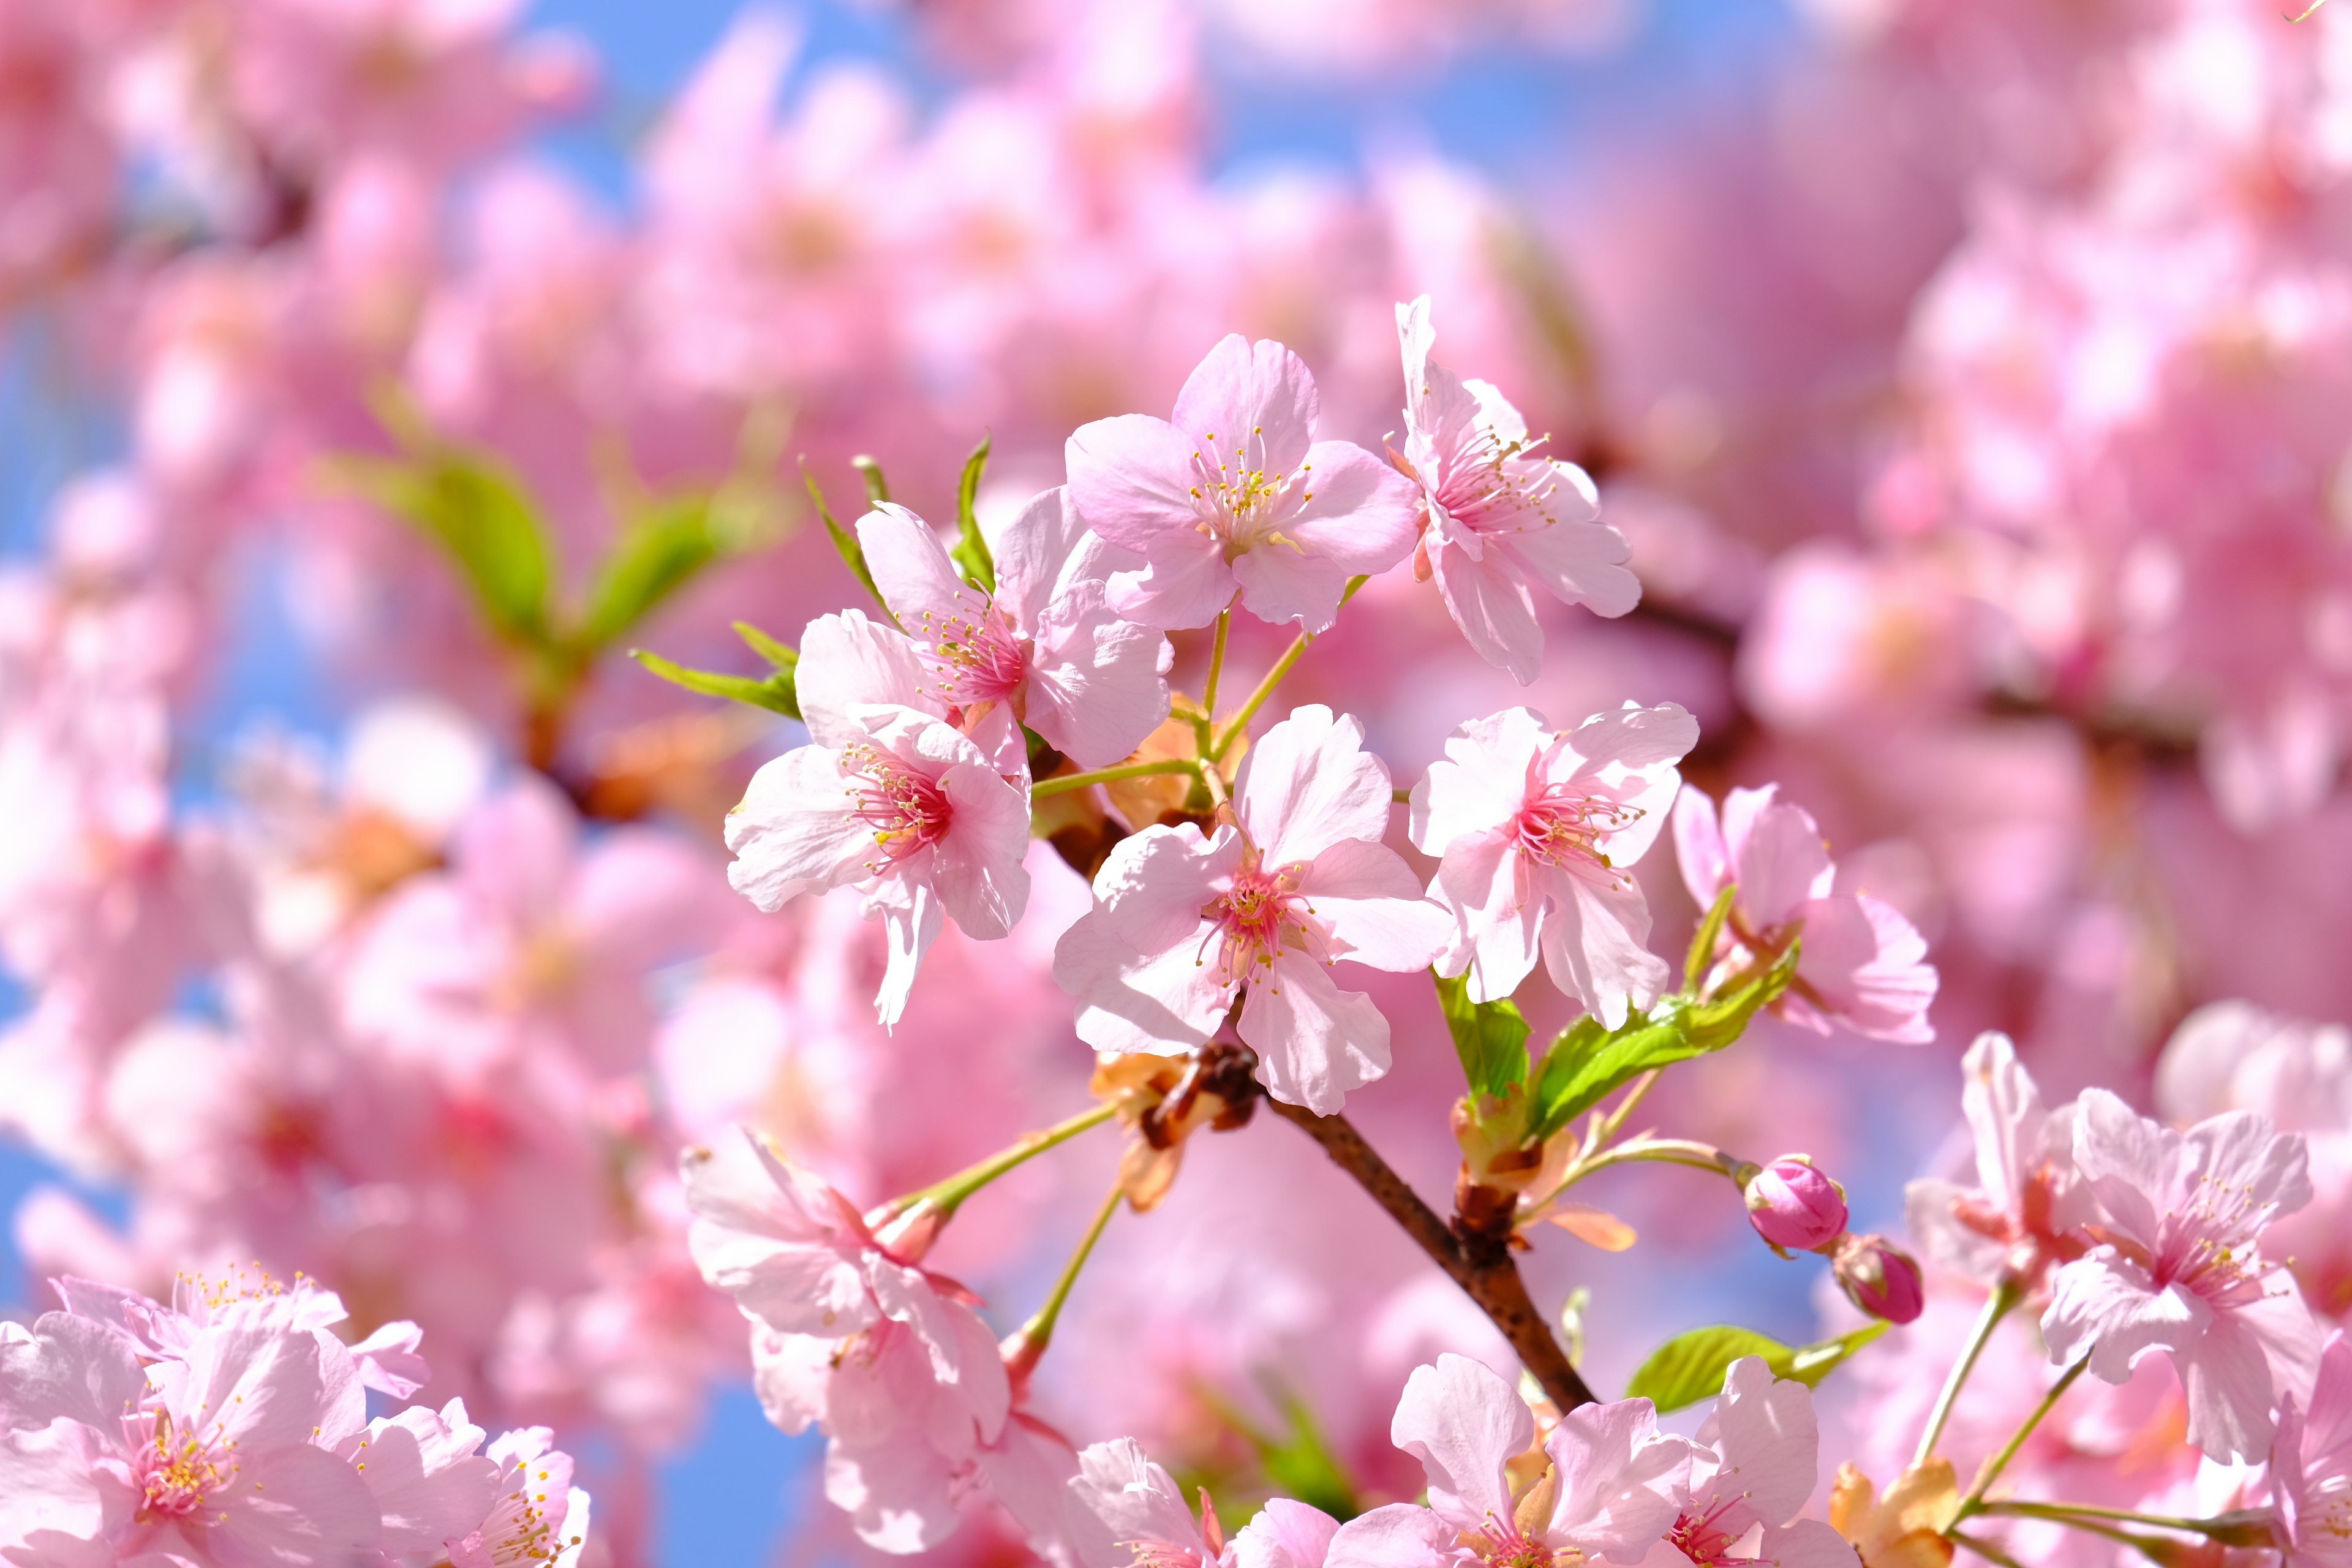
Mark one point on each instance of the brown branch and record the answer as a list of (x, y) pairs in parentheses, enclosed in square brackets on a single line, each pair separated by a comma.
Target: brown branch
[(1481, 1266)]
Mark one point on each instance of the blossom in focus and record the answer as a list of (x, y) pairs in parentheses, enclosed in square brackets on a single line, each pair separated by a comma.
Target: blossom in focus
[(892, 1363), (1233, 493), (1610, 1489), (2311, 1464), (1132, 1504), (1795, 1205), (1044, 650), (1756, 1465), (1500, 516), (1860, 963), (888, 798), (1535, 830), (540, 1518), (1185, 923), (2178, 1266), (2027, 1211)]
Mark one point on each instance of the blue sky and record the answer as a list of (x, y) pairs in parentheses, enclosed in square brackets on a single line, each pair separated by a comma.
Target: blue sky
[(1510, 112)]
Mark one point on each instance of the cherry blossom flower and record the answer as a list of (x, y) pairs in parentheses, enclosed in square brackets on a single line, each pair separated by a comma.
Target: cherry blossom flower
[(892, 1363), (1185, 924), (1500, 516), (1536, 830), (1861, 964), (1135, 1505), (1044, 650), (2026, 1213), (2311, 1464), (1233, 492), (1609, 1491), (932, 829), (385, 1360), (539, 1520), (1755, 1472), (2178, 1267), (1794, 1204)]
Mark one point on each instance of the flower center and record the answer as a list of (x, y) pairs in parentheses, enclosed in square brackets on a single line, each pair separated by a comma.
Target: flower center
[(975, 657), (1240, 500), (1703, 1537), (1493, 483), (178, 1471), (1560, 826), (1254, 920), (905, 811), (2206, 1243), (1505, 1545)]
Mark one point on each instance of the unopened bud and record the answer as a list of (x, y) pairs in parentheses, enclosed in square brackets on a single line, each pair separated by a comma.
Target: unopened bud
[(1878, 1279), (1794, 1205)]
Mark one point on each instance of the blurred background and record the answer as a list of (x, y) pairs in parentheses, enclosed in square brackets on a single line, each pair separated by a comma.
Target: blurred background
[(1968, 376)]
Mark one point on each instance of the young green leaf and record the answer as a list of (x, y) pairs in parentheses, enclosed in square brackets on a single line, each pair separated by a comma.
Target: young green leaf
[(775, 692), (1702, 948), (970, 552), (766, 647), (878, 489), (1691, 1366), (1716, 1023), (852, 554), (1490, 1037), (659, 553), (483, 520), (1588, 1062)]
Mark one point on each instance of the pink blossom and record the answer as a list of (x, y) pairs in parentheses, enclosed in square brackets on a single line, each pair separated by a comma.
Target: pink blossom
[(1183, 925), (2026, 1214), (1755, 1470), (1878, 1278), (1044, 650), (932, 829), (2178, 1269), (892, 1363), (1285, 1534), (1132, 1504), (1860, 964), (1613, 1475), (1233, 492), (1536, 831), (2311, 1463), (539, 1518), (1499, 516)]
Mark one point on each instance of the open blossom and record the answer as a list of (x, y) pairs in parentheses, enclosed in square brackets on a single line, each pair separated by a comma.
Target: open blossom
[(1186, 923), (1861, 964), (1758, 1463), (1044, 649), (539, 1520), (2311, 1464), (2179, 1266), (888, 798), (1610, 1489), (1134, 1504), (1500, 515), (1536, 830), (1233, 492), (892, 1363), (2026, 1213), (386, 1360)]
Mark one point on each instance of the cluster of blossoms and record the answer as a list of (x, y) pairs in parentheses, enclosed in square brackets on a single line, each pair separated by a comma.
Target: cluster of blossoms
[(231, 1428), (1944, 426)]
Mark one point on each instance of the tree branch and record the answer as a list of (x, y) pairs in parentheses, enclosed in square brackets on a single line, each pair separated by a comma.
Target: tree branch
[(1484, 1269)]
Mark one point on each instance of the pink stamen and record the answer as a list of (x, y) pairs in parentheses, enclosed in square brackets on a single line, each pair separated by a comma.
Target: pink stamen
[(976, 658), (906, 811)]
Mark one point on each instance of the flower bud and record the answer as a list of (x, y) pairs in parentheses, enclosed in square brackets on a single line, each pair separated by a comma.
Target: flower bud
[(1795, 1206), (1878, 1279)]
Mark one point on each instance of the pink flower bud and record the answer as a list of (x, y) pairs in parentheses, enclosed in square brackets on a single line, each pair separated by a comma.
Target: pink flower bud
[(1794, 1205), (1877, 1279)]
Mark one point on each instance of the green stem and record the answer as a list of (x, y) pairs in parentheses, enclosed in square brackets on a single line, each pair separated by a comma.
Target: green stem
[(1290, 656), (1634, 1096), (2005, 1296), (2233, 1529), (1984, 1549), (1039, 1328), (1067, 781), (1216, 664), (1974, 1502), (945, 1195)]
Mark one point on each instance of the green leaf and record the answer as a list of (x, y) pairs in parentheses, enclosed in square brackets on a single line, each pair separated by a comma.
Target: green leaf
[(970, 552), (766, 647), (1702, 948), (659, 553), (878, 489), (775, 692), (1588, 1062), (1691, 1366), (1714, 1024), (852, 554), (1490, 1037), (483, 520), (1302, 1465)]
